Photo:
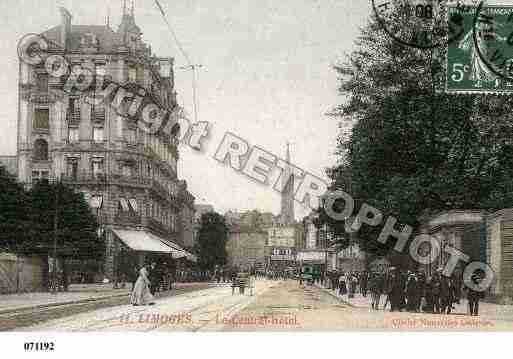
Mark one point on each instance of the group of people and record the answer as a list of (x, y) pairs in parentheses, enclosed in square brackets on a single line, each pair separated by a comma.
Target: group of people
[(275, 274), (192, 276), (348, 283), (408, 291)]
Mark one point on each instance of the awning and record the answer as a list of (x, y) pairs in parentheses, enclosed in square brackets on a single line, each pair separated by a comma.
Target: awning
[(143, 241)]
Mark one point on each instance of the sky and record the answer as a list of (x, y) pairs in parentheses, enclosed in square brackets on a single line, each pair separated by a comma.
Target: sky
[(267, 76)]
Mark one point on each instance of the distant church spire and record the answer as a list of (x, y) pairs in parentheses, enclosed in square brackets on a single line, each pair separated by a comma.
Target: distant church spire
[(133, 8), (124, 7), (287, 196)]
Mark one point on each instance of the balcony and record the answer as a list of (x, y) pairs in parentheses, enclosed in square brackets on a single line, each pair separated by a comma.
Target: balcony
[(130, 180), (85, 178), (125, 218), (73, 117)]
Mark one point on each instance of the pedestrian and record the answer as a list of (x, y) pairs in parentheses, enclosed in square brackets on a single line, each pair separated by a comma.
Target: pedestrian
[(429, 306), (411, 292), (376, 283), (364, 279), (473, 296), (396, 288), (421, 289), (342, 284), (436, 284), (446, 295), (141, 294), (154, 278)]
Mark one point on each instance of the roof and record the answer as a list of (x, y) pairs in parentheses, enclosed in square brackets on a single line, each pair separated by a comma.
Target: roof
[(108, 39)]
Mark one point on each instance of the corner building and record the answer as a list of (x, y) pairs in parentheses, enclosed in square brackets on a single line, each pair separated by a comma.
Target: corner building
[(128, 176)]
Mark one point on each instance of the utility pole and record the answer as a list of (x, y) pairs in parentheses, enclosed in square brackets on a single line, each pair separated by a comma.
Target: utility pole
[(193, 68), (55, 234)]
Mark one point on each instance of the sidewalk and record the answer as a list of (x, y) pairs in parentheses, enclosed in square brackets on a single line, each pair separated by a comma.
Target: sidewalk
[(78, 293), (486, 310)]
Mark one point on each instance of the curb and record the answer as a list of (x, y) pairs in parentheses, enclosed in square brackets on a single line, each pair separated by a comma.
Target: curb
[(52, 305), (69, 302), (325, 290)]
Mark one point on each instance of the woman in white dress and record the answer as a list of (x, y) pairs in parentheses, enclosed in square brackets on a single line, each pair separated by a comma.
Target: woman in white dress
[(141, 293)]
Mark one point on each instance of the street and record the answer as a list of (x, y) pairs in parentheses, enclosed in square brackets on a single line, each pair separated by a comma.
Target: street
[(275, 306)]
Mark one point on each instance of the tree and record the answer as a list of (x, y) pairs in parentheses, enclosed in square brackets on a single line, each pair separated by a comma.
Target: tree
[(415, 150), (14, 210), (212, 238), (77, 236)]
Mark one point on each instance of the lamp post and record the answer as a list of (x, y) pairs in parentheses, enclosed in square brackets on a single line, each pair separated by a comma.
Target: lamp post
[(55, 234)]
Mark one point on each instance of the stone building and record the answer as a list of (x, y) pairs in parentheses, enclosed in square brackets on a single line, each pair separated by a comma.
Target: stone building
[(498, 249), (246, 247), (452, 228), (128, 176), (486, 238), (247, 238), (187, 217)]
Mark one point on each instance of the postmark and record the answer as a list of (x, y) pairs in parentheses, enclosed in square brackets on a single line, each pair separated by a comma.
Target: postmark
[(421, 24), (492, 43)]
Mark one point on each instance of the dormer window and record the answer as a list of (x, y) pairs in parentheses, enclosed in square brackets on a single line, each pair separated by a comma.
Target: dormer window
[(89, 40)]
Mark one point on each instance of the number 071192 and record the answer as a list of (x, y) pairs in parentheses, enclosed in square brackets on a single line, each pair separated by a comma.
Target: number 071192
[(39, 346)]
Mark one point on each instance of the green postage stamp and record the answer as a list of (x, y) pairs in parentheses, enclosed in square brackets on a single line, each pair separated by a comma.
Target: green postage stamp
[(481, 61)]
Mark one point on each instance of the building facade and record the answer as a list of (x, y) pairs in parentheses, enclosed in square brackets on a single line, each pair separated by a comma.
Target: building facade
[(187, 217), (247, 239), (128, 176)]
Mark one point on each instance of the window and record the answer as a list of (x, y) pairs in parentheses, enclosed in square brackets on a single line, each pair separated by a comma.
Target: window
[(97, 166), (123, 205), (40, 176), (42, 119), (96, 202), (42, 82), (132, 74), (131, 136), (98, 133), (41, 150), (98, 112), (72, 105), (133, 205), (127, 169), (100, 69), (72, 168), (73, 114), (73, 134)]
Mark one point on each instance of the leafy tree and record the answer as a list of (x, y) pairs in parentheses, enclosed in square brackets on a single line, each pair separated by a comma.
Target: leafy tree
[(76, 225), (212, 238), (14, 210), (414, 150)]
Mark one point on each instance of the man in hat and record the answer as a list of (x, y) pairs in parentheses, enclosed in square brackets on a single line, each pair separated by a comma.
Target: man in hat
[(436, 290), (473, 296), (411, 292), (446, 295)]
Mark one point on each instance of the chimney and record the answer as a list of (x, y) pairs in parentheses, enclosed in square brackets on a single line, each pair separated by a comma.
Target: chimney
[(65, 27)]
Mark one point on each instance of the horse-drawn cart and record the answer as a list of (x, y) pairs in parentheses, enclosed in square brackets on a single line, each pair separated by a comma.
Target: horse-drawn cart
[(242, 281)]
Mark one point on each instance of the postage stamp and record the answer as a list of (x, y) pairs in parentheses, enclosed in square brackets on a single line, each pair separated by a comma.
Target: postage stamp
[(178, 166), (480, 59)]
